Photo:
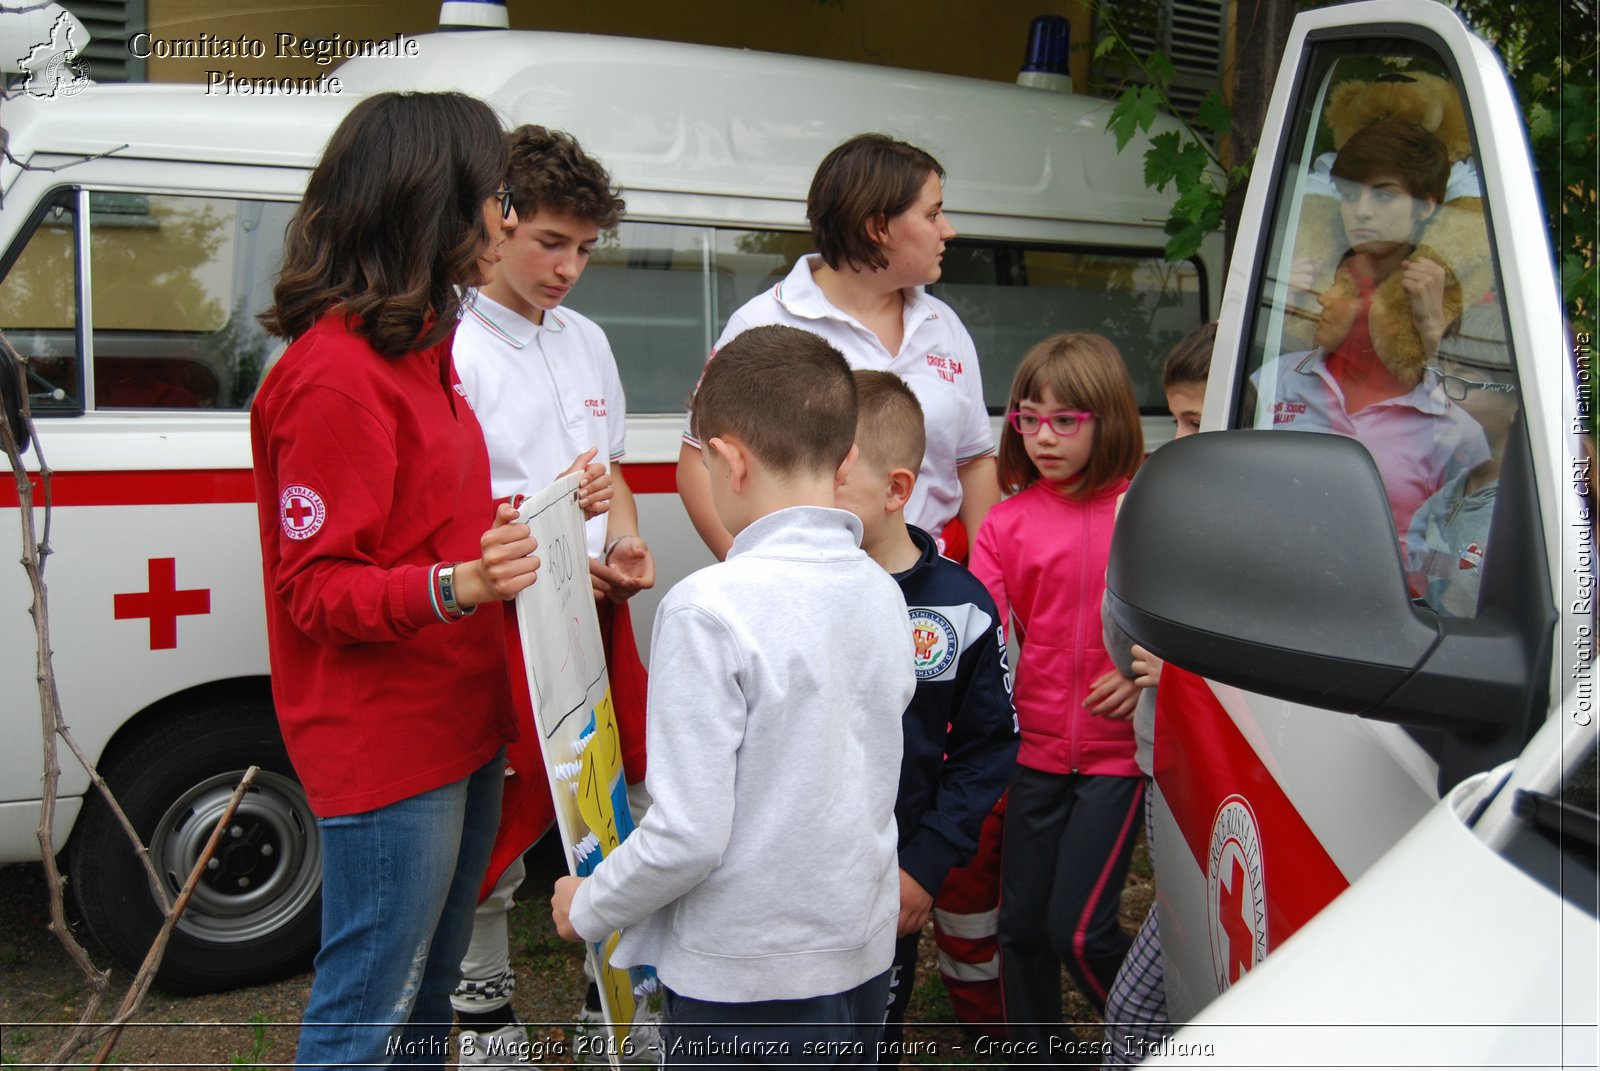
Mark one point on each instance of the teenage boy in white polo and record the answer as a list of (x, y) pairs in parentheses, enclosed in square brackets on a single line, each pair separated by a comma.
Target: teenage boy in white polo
[(544, 385)]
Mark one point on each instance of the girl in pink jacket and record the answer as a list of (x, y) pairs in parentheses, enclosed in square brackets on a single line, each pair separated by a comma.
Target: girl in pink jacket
[(1071, 442)]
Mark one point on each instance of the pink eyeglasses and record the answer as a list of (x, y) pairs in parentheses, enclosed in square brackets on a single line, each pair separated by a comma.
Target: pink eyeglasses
[(1063, 421)]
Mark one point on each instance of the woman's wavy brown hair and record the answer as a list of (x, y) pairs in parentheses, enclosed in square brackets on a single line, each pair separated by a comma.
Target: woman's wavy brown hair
[(392, 221)]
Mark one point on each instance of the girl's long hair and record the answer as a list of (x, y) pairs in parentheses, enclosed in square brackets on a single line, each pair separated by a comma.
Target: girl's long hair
[(392, 221), (1086, 372)]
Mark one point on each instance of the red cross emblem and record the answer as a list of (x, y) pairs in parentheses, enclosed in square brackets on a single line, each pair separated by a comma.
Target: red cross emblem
[(302, 511), (1241, 940), (163, 604)]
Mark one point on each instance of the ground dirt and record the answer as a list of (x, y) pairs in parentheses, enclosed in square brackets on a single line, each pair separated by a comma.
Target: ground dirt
[(42, 995)]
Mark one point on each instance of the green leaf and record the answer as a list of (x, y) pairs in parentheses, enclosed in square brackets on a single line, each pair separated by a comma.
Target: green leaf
[(1135, 110), (1160, 69), (1191, 164), (1198, 204), (1541, 123), (1161, 161), (1107, 45), (1185, 240), (1214, 115)]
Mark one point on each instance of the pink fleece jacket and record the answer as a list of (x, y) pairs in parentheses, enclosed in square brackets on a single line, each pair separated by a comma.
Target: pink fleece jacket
[(1043, 558)]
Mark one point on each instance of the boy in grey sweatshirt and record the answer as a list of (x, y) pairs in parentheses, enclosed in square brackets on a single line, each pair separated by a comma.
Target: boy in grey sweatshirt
[(763, 883)]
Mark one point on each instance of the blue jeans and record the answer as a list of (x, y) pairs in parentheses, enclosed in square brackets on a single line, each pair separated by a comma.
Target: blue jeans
[(839, 1030), (399, 885)]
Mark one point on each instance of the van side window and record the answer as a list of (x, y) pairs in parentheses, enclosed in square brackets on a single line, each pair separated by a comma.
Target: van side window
[(176, 285), (38, 304), (1379, 314), (1011, 296), (663, 293)]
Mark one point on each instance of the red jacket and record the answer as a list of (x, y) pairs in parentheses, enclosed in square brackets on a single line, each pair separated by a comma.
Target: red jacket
[(370, 470), (1043, 558)]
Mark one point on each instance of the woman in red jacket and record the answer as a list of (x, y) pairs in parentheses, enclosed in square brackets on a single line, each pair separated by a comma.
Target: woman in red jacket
[(372, 488)]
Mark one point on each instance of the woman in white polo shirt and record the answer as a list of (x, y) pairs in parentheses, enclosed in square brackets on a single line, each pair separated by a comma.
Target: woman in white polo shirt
[(876, 208)]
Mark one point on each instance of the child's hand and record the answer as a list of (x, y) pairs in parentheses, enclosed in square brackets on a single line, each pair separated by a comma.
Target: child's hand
[(1112, 696), (594, 487), (1424, 284), (1146, 668), (916, 903), (632, 560), (1303, 275), (561, 907)]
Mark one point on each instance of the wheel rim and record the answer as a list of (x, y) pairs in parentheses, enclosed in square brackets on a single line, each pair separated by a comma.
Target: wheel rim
[(267, 866)]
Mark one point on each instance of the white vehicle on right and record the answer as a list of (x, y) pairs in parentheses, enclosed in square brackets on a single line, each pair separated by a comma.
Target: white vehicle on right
[(1375, 760)]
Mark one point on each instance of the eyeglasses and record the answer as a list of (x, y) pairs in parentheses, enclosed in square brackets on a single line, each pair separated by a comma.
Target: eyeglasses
[(506, 193), (1456, 388), (1062, 421)]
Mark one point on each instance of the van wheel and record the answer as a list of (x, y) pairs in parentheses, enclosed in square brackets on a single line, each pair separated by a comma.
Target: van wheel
[(255, 915)]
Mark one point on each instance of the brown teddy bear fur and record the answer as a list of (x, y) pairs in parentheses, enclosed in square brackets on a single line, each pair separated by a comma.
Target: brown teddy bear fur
[(1454, 236)]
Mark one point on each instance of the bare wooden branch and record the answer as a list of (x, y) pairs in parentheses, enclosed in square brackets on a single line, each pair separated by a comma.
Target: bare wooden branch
[(158, 948)]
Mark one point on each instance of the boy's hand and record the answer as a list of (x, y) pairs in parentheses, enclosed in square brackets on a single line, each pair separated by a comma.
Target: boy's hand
[(1146, 668), (594, 487), (632, 560), (916, 903), (561, 907), (1112, 696)]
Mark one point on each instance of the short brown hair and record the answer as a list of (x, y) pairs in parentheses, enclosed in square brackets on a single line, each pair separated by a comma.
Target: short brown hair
[(1190, 359), (548, 169), (889, 428), (785, 394), (870, 178), (1083, 371), (1399, 148)]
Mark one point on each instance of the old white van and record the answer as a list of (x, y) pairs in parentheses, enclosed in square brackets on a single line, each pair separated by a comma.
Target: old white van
[(141, 237)]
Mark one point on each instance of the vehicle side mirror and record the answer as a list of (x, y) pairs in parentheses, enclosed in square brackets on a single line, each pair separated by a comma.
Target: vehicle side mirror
[(1268, 560)]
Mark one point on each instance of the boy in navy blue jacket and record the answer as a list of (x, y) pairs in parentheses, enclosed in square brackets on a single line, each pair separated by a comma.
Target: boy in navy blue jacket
[(960, 729)]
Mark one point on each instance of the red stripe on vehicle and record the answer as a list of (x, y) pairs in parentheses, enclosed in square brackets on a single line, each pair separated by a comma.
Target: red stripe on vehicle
[(191, 487), (1201, 759), (652, 478), (167, 487)]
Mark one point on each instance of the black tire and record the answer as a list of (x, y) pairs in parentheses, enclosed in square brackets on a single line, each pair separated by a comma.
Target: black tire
[(256, 915)]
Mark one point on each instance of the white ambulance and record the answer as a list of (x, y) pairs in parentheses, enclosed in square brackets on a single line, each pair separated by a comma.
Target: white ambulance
[(143, 237), (1375, 832)]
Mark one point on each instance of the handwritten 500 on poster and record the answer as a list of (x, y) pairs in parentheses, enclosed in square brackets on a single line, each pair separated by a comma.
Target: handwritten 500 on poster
[(564, 658)]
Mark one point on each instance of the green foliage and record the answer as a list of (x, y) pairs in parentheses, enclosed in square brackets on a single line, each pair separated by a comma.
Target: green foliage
[(1551, 53), (1181, 158)]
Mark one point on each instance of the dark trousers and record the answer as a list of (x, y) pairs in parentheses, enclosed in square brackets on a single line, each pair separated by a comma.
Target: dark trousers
[(1068, 841), (902, 980), (838, 1030)]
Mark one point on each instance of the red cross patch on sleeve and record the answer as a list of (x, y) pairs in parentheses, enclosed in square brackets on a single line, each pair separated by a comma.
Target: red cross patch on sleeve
[(302, 511)]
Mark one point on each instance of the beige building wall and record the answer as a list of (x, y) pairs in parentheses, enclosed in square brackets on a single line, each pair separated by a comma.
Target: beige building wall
[(977, 38)]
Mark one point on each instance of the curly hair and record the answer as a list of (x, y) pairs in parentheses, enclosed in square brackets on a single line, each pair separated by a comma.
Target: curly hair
[(392, 221), (549, 170)]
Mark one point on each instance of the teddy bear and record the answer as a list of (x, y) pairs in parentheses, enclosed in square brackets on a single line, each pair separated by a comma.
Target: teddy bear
[(1454, 236)]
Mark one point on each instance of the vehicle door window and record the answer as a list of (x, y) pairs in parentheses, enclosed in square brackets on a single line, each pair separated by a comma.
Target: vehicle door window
[(1379, 314), (38, 305), (176, 285)]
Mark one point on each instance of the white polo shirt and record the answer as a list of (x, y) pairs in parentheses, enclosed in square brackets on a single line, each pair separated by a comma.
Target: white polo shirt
[(544, 394), (937, 360)]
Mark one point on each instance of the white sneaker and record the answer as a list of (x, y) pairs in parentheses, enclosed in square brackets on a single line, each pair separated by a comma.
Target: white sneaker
[(504, 1047)]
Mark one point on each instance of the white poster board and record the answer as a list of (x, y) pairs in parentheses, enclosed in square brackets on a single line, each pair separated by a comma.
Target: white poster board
[(564, 658)]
